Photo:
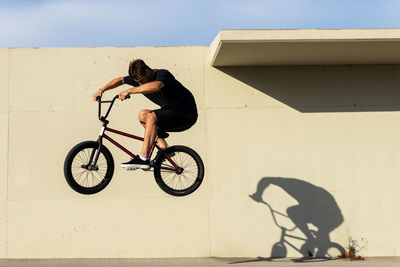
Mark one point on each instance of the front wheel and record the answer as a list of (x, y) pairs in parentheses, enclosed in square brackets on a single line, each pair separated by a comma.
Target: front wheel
[(178, 170), (278, 250), (81, 174)]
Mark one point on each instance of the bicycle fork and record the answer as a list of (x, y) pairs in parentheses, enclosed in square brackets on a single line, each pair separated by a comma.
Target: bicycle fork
[(94, 156)]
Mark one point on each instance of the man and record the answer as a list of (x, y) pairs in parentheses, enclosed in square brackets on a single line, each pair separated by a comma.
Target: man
[(178, 110)]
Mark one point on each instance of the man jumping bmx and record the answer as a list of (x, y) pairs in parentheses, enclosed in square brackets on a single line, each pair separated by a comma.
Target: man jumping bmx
[(177, 112)]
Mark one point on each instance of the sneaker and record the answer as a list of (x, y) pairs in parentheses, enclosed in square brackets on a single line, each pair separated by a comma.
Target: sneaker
[(136, 163)]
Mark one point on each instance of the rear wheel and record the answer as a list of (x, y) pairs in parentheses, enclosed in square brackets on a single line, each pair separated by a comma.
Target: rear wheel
[(183, 180), (87, 179)]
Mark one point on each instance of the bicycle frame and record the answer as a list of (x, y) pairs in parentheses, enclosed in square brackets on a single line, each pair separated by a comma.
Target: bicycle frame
[(103, 135)]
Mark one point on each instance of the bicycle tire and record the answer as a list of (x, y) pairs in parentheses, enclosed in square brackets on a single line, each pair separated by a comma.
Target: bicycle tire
[(73, 170), (184, 183)]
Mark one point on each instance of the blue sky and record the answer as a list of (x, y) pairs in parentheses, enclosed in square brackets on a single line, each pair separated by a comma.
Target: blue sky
[(88, 23)]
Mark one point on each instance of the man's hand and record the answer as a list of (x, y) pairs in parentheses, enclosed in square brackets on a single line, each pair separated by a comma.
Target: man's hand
[(122, 95), (98, 93)]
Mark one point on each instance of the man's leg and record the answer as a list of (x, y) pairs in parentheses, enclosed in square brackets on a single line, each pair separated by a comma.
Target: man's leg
[(149, 120), (149, 133), (162, 143), (142, 119)]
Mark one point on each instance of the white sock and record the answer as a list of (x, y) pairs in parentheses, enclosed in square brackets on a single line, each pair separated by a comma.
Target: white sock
[(144, 159)]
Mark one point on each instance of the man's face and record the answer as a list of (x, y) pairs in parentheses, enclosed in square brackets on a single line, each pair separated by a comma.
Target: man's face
[(145, 79)]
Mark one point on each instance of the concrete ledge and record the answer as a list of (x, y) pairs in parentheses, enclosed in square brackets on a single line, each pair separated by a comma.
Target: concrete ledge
[(305, 47)]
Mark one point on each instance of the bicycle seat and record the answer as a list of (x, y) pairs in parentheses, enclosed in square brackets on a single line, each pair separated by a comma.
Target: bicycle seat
[(162, 134)]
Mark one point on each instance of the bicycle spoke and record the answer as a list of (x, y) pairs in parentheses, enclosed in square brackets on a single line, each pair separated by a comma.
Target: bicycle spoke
[(85, 156), (101, 161), (84, 179), (80, 160), (185, 181), (170, 181), (191, 164), (176, 182), (94, 178), (101, 173), (169, 177), (186, 158), (187, 178), (79, 175), (100, 177), (192, 173)]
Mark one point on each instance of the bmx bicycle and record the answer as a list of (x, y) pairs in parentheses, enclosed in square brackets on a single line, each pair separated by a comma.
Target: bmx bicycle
[(310, 248), (89, 166)]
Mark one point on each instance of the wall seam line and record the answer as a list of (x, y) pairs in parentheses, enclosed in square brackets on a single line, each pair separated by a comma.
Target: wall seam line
[(205, 61), (8, 150)]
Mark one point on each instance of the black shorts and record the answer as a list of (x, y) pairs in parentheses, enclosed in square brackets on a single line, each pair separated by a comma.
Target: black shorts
[(169, 120)]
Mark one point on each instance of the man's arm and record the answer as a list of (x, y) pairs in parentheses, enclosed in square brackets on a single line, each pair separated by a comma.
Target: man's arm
[(146, 88), (112, 84)]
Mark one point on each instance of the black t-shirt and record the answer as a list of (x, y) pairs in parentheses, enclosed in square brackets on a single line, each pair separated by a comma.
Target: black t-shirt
[(172, 96)]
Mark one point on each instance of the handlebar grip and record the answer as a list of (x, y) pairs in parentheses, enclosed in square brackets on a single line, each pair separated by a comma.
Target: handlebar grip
[(98, 98), (127, 97)]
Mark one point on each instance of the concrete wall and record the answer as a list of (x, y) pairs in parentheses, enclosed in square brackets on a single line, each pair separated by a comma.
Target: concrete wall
[(320, 144)]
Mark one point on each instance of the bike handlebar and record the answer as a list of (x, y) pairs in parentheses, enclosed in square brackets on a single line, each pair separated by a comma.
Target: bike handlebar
[(98, 99)]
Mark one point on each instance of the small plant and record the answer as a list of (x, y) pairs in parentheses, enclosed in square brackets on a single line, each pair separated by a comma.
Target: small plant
[(352, 249)]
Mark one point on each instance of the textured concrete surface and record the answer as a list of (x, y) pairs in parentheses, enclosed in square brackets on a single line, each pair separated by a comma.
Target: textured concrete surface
[(319, 144), (199, 262)]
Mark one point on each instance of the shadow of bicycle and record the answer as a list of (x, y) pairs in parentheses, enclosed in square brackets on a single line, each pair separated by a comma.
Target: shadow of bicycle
[(315, 206)]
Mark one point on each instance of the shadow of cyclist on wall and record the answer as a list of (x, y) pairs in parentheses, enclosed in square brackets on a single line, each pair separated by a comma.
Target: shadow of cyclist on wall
[(315, 205)]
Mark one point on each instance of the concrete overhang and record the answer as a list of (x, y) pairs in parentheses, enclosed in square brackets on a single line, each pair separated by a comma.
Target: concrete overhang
[(305, 47)]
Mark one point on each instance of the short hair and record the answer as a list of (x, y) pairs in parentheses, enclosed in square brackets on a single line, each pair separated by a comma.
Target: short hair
[(137, 69)]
